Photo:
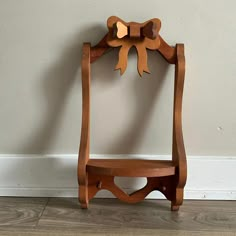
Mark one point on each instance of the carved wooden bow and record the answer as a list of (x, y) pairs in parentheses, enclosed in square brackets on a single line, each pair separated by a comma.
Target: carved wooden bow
[(140, 35)]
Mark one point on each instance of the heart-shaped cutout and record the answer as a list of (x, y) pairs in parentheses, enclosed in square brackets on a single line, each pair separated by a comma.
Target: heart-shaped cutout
[(121, 30)]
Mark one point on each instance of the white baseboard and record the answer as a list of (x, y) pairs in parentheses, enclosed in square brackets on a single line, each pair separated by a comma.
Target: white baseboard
[(209, 177)]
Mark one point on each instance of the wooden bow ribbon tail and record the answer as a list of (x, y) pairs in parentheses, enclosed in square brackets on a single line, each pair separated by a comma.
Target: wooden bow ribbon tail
[(126, 35)]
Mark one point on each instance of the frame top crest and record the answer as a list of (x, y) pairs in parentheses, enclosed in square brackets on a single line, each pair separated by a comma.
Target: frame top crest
[(142, 36)]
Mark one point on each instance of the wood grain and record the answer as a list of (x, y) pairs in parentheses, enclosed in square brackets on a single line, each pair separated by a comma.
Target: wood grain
[(116, 232), (21, 211), (195, 215), (131, 168), (63, 216), (85, 128), (178, 149)]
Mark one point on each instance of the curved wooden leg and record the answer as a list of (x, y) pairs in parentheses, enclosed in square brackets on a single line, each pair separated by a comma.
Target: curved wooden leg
[(175, 204), (84, 205), (174, 207), (83, 196)]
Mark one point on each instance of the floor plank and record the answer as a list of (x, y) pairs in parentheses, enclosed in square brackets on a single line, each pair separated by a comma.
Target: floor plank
[(151, 214), (21, 211), (115, 232), (64, 217)]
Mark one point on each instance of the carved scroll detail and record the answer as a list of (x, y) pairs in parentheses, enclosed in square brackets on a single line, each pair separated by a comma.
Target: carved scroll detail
[(102, 182)]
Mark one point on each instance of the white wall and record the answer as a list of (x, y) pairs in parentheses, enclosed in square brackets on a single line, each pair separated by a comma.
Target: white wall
[(40, 88)]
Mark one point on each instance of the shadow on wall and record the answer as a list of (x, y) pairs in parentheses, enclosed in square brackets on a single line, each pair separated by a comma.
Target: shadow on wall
[(144, 105), (59, 79), (144, 91), (56, 84)]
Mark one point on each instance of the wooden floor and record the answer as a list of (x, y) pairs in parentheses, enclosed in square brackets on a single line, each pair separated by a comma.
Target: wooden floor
[(63, 216)]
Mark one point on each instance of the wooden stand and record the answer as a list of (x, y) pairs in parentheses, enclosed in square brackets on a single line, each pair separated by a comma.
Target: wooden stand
[(168, 177)]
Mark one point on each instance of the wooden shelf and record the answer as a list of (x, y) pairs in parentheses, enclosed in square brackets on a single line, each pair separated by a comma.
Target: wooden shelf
[(168, 177), (130, 167)]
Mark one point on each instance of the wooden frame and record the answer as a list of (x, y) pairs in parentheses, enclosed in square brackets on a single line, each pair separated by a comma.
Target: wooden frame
[(168, 177)]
